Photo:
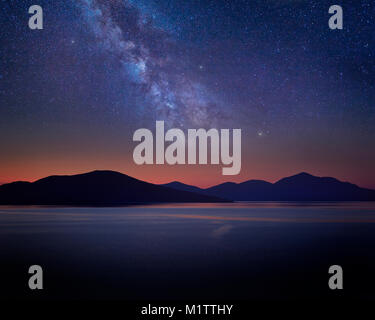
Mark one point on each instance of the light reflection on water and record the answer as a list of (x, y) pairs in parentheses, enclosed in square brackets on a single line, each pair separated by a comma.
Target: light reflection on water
[(237, 250), (314, 212), (42, 219)]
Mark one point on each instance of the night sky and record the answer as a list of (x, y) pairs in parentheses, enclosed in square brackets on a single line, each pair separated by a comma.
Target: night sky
[(72, 94)]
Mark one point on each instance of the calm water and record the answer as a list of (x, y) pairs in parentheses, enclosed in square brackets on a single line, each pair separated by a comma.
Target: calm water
[(226, 251)]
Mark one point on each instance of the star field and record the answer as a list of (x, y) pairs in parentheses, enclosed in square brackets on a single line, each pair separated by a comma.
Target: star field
[(302, 94)]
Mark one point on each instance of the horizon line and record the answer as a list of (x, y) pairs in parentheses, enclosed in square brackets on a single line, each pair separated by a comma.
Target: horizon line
[(193, 185)]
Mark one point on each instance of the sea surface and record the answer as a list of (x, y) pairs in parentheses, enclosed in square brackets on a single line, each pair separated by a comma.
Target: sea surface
[(238, 251)]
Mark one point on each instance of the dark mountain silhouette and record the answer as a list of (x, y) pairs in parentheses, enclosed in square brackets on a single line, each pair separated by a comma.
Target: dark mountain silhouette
[(183, 187), (97, 188), (300, 187)]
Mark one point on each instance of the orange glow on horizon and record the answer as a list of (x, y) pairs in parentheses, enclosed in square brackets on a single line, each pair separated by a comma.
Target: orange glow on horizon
[(203, 176)]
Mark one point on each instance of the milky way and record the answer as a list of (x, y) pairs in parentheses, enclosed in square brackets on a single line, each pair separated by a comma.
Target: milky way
[(72, 94), (150, 57)]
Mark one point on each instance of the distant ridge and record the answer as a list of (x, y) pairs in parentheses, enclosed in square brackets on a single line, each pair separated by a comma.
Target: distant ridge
[(110, 188), (299, 187), (97, 188), (183, 187)]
